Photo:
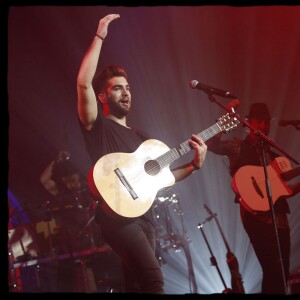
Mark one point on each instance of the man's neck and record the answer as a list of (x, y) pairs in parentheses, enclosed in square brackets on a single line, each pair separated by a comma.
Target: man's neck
[(121, 121)]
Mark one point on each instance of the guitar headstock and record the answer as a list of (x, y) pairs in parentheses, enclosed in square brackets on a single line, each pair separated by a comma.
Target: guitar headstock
[(227, 123)]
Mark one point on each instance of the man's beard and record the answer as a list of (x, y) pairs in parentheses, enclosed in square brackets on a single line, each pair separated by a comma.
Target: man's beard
[(118, 110)]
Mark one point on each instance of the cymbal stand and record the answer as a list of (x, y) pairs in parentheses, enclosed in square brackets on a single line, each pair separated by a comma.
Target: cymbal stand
[(186, 248), (14, 284), (180, 240), (83, 261), (87, 225), (48, 220), (232, 262), (213, 259)]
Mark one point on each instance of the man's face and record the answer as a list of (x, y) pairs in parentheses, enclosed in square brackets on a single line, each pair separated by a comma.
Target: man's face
[(118, 96), (262, 125), (72, 182)]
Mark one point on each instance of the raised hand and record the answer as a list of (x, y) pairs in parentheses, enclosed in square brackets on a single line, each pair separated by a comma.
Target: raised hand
[(63, 156), (103, 24)]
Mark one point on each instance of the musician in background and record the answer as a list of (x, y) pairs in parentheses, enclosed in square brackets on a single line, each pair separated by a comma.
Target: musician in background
[(72, 201), (103, 106), (63, 180), (60, 176), (68, 212), (259, 225)]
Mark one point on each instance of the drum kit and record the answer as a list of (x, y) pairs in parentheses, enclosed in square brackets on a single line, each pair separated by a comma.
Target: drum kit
[(168, 216), (171, 232), (67, 238), (67, 241)]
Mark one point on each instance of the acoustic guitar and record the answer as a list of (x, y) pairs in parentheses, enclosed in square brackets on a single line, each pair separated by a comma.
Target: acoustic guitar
[(128, 182), (249, 183)]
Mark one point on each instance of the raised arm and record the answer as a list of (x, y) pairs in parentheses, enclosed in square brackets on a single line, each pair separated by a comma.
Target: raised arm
[(46, 178), (87, 102)]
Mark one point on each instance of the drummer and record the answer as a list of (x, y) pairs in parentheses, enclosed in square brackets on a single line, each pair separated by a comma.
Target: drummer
[(71, 204), (61, 176)]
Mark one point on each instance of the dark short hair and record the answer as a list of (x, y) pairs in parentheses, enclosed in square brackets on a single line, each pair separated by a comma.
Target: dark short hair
[(101, 78), (63, 169)]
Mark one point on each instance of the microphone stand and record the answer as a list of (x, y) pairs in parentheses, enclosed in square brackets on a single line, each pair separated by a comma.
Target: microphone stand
[(213, 259), (232, 262), (255, 131), (185, 246), (263, 139)]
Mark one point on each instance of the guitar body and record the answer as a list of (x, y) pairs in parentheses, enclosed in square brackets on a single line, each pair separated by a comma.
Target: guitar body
[(249, 183), (134, 194)]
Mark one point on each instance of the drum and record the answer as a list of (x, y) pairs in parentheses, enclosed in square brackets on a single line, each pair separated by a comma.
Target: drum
[(69, 224), (22, 242), (168, 216)]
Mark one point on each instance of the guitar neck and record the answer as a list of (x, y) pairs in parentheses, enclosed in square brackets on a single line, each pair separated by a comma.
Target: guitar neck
[(173, 154)]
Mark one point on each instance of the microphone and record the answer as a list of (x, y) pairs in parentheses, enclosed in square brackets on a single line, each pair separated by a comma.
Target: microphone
[(194, 84), (289, 122)]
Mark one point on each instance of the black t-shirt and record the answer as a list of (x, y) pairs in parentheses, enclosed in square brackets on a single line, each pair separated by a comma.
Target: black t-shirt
[(107, 136)]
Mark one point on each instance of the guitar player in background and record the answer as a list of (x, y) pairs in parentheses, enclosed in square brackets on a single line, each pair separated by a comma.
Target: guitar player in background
[(104, 100), (258, 224)]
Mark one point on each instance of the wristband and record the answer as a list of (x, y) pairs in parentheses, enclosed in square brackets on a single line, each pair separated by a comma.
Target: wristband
[(195, 166), (100, 37)]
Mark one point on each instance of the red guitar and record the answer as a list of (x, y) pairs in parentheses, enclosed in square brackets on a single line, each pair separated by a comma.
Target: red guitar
[(249, 183)]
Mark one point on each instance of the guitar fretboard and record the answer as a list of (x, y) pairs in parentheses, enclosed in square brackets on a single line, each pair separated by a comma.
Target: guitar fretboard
[(169, 157)]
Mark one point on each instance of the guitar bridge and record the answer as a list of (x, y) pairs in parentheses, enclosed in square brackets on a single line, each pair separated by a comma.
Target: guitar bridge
[(257, 188), (126, 183)]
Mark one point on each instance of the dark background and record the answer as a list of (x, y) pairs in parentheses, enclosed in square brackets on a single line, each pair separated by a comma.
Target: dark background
[(252, 52)]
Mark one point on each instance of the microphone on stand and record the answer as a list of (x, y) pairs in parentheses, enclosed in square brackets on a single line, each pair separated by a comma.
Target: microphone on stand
[(194, 84)]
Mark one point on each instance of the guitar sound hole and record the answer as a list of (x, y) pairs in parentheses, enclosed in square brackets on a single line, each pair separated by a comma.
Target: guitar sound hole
[(152, 167)]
